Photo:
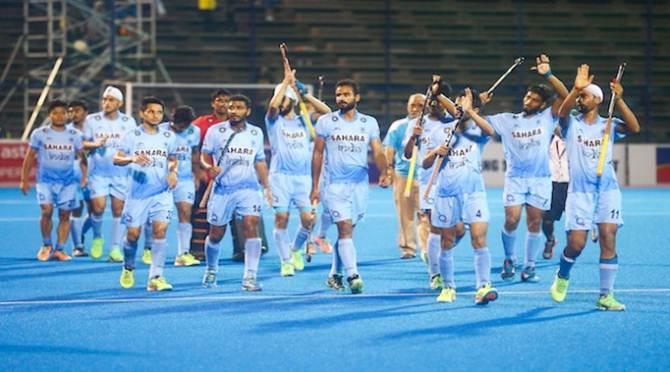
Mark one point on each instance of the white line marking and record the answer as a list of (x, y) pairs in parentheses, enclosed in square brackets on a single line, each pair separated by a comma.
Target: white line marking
[(301, 297)]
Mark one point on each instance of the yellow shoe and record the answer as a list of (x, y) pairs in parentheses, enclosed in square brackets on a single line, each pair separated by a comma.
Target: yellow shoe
[(96, 248), (298, 263), (447, 294), (486, 294), (127, 279), (185, 259), (146, 256), (609, 303), (159, 284), (44, 253), (559, 288), (287, 269), (115, 255)]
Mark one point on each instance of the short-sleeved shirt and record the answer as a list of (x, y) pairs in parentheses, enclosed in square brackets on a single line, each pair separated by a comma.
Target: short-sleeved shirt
[(76, 166), (425, 143), (583, 142), (205, 122), (149, 180), (187, 140), (461, 171), (56, 154), (98, 127), (394, 139), (525, 140), (289, 138), (240, 156), (347, 145)]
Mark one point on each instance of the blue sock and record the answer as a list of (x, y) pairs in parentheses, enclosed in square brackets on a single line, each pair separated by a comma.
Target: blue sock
[(46, 241), (158, 254), (97, 226), (565, 266), (252, 255), (88, 224), (434, 253), (533, 247), (212, 255), (75, 231), (60, 247), (348, 256), (508, 240), (608, 271), (300, 238), (447, 267), (129, 251), (482, 266)]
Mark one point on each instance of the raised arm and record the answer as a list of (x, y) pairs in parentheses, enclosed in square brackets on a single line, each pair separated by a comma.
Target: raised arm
[(483, 124), (582, 80), (629, 119), (542, 67)]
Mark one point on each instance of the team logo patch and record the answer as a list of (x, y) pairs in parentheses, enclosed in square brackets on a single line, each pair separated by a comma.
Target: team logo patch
[(124, 118), (430, 200), (580, 221), (364, 120), (336, 214), (254, 132), (41, 196), (166, 134), (138, 132), (515, 117), (222, 129), (97, 117), (335, 118), (509, 197), (442, 218)]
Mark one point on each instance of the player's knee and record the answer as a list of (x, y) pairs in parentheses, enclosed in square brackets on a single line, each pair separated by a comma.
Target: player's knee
[(281, 220), (478, 241), (133, 234), (250, 227), (511, 223), (216, 233)]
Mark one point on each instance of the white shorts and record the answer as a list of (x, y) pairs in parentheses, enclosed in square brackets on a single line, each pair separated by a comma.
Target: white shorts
[(185, 191), (346, 201), (535, 192), (426, 204), (288, 190), (220, 207), (61, 196), (106, 186), (581, 212), (137, 212), (468, 208)]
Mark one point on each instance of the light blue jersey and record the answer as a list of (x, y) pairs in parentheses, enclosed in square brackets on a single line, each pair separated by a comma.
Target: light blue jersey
[(583, 143), (525, 140), (291, 152), (461, 171), (347, 145), (76, 166), (98, 127), (238, 162), (394, 139), (149, 180), (425, 144), (56, 153), (187, 140)]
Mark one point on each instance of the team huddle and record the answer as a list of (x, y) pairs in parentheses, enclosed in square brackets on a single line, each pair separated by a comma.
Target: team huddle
[(149, 169)]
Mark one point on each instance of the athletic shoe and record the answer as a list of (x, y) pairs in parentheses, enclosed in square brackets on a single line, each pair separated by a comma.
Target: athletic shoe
[(436, 282), (60, 255), (335, 282), (250, 285), (159, 284), (79, 252), (609, 303), (508, 269), (355, 284), (209, 279), (185, 259), (310, 249), (296, 259), (559, 288), (127, 279), (146, 256), (548, 252), (115, 255), (96, 248), (448, 294), (44, 253), (407, 256), (486, 294), (287, 269), (323, 244), (528, 275)]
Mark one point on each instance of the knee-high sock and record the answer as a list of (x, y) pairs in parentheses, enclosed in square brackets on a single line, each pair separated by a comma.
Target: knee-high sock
[(434, 249), (565, 266), (533, 247), (548, 228), (148, 235), (87, 225), (75, 230), (212, 255), (300, 238), (482, 266), (117, 232), (252, 255), (158, 254), (282, 242), (97, 225), (447, 267), (184, 233), (508, 240), (129, 252), (336, 262), (608, 271), (326, 221), (347, 253)]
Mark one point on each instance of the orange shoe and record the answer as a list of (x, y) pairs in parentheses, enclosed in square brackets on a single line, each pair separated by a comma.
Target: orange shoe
[(61, 256), (323, 244), (44, 253)]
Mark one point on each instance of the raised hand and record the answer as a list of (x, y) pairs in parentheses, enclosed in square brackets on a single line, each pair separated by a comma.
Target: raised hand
[(583, 79), (542, 66), (617, 88), (466, 100)]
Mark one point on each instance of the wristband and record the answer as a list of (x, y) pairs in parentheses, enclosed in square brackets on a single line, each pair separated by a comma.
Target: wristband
[(548, 74)]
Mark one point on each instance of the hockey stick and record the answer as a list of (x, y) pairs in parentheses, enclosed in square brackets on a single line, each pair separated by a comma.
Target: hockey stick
[(319, 94), (301, 103), (516, 63), (415, 149), (438, 164), (210, 185)]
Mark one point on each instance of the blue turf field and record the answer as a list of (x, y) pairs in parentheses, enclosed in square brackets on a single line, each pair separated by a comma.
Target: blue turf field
[(74, 316)]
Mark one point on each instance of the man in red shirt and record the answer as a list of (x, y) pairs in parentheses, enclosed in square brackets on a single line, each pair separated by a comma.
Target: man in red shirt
[(220, 99)]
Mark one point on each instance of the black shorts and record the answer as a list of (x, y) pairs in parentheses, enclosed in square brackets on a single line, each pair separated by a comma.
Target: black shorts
[(559, 193)]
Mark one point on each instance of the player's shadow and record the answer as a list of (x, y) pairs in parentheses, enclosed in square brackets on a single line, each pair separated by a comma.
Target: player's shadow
[(62, 349), (63, 269)]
